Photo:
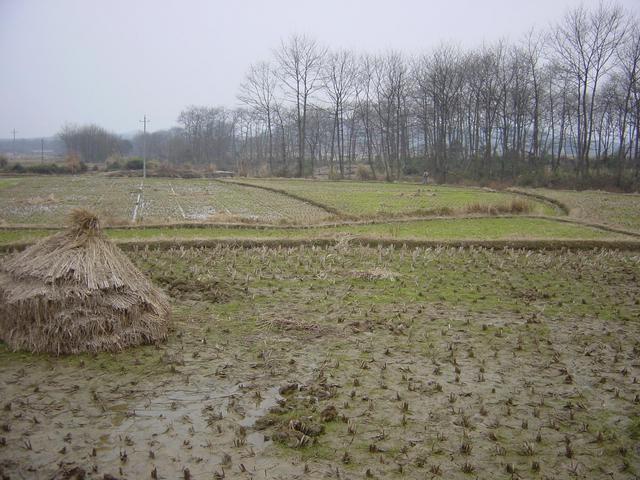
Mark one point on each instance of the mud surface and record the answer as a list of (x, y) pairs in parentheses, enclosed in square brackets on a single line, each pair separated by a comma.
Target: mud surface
[(452, 364)]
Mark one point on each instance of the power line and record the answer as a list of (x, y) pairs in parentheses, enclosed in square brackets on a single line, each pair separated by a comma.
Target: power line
[(13, 144), (144, 121)]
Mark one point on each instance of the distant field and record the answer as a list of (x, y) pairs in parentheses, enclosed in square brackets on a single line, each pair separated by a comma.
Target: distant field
[(617, 209), (48, 199), (374, 359), (488, 228), (202, 200), (375, 198)]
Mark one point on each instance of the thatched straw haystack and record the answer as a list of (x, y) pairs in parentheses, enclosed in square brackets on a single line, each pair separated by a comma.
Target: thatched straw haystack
[(75, 291)]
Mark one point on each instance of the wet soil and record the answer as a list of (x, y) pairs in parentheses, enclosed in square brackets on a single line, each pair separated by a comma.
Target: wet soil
[(463, 364)]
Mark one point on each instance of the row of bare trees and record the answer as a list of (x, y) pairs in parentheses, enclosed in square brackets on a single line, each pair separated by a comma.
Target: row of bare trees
[(92, 143), (562, 100)]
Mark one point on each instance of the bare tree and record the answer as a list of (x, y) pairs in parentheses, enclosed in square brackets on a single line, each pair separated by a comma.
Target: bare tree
[(586, 42), (569, 100), (339, 83), (364, 92), (210, 132), (258, 92), (439, 81), (92, 142), (629, 59), (535, 44), (390, 87), (300, 66)]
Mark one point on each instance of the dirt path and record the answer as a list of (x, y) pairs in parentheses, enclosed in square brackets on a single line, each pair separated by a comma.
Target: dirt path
[(175, 197), (139, 203)]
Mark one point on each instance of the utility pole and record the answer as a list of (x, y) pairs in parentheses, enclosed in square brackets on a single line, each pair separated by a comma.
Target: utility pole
[(144, 121), (13, 144)]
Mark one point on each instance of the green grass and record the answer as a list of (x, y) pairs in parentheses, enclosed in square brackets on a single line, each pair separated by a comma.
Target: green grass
[(483, 229), (486, 228), (375, 198), (8, 182), (616, 209)]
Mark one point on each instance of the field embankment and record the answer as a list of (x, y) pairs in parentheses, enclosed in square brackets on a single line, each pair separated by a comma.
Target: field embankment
[(503, 231)]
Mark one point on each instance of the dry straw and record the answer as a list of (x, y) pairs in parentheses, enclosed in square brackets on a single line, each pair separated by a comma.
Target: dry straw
[(75, 291)]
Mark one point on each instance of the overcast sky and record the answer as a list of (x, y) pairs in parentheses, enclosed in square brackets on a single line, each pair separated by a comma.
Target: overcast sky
[(111, 61)]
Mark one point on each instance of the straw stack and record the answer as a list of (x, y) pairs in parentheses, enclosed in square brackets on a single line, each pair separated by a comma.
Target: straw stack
[(75, 291)]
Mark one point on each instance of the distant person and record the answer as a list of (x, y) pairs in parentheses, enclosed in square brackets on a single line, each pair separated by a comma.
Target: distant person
[(425, 177)]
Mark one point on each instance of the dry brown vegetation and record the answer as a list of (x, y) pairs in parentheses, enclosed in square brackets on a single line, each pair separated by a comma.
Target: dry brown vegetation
[(515, 206), (75, 291)]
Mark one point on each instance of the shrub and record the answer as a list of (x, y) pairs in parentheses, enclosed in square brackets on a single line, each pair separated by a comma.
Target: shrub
[(243, 170), (50, 168), (3, 162), (73, 163), (515, 206), (263, 171), (114, 162), (335, 175), (134, 164), (152, 165), (518, 205), (165, 169), (413, 166), (45, 169), (363, 172)]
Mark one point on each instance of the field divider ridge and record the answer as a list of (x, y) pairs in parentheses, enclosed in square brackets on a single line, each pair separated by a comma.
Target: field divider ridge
[(346, 223), (523, 244), (543, 198), (300, 198)]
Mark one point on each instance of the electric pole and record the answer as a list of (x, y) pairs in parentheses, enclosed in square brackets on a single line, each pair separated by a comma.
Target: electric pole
[(144, 122), (13, 144)]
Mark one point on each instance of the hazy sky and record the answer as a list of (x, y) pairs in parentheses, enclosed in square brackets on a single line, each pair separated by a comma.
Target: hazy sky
[(111, 61)]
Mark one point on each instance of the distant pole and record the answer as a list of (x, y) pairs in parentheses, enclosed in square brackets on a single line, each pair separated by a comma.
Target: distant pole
[(42, 150), (144, 122), (13, 144)]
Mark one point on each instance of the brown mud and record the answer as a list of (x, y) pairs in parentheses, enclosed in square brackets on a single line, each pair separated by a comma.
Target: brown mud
[(462, 364)]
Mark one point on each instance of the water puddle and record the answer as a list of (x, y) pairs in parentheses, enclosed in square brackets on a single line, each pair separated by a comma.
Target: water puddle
[(270, 399)]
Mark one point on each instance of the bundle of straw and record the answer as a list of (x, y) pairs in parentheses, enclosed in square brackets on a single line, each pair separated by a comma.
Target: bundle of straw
[(75, 291)]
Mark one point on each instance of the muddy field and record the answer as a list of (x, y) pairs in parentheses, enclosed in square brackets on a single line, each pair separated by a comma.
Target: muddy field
[(49, 199), (350, 362)]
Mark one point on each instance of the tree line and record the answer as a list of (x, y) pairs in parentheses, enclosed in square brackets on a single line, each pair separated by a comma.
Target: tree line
[(92, 143), (560, 101)]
